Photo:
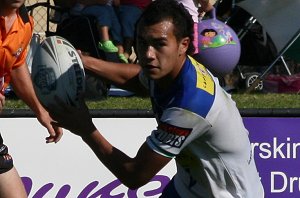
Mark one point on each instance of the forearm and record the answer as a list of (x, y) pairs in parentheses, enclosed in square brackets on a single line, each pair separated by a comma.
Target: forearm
[(121, 165), (116, 72), (23, 88), (122, 75)]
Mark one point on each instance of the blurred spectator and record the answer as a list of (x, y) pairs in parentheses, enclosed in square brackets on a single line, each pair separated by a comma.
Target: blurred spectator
[(108, 24), (192, 7), (129, 11), (205, 6)]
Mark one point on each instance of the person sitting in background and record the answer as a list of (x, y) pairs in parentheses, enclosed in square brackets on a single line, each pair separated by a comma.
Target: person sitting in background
[(198, 124), (108, 25), (205, 6), (194, 7), (129, 11)]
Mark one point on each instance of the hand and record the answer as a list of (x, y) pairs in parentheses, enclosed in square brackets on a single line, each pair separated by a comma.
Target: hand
[(87, 60), (2, 101), (75, 119), (85, 57), (54, 131), (206, 6)]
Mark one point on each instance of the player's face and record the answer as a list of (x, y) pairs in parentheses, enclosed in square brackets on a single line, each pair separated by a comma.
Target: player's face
[(13, 3), (159, 52)]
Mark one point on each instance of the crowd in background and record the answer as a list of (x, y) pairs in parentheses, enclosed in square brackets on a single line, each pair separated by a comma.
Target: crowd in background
[(116, 20)]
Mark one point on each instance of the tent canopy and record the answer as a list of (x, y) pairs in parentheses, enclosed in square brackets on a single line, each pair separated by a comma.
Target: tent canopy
[(279, 18)]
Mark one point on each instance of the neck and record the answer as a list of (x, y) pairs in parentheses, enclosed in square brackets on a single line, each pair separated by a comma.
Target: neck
[(8, 15), (7, 11), (9, 20), (165, 82)]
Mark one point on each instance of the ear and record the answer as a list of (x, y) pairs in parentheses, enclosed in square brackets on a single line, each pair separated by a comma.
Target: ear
[(183, 45)]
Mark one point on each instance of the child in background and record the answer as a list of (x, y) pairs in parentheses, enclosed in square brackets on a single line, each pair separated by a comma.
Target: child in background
[(129, 11), (108, 24), (192, 8)]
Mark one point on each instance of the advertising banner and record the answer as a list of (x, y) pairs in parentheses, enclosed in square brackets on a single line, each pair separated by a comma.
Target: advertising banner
[(69, 169), (276, 146)]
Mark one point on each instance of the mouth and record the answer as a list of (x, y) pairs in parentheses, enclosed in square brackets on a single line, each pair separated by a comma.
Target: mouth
[(150, 67)]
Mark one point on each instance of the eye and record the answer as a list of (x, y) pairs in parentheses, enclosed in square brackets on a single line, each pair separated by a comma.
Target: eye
[(159, 44), (141, 42)]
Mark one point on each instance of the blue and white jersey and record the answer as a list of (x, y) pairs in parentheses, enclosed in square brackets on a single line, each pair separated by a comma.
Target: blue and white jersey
[(200, 126)]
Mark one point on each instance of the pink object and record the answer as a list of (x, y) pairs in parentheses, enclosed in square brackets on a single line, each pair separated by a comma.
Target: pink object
[(219, 46)]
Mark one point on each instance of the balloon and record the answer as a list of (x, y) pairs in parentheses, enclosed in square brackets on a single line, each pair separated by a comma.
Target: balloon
[(219, 46)]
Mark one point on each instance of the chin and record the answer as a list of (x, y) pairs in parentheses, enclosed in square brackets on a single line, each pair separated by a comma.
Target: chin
[(151, 76), (16, 3)]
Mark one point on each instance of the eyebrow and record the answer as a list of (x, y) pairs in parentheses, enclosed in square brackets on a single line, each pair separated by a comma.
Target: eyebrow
[(159, 39), (153, 39)]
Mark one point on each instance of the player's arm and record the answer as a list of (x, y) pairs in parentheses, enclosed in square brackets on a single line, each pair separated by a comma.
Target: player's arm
[(2, 101), (121, 74), (132, 172), (22, 85)]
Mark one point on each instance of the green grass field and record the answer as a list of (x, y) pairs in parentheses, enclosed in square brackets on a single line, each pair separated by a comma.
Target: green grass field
[(253, 100)]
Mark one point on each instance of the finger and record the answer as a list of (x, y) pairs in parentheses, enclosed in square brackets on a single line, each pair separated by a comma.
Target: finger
[(59, 133), (50, 129), (55, 132), (56, 138), (57, 125), (50, 139)]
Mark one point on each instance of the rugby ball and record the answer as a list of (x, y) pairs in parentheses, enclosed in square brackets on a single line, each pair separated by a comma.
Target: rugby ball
[(57, 70)]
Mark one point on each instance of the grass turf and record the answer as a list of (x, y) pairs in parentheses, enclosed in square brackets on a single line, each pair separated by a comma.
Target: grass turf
[(256, 101)]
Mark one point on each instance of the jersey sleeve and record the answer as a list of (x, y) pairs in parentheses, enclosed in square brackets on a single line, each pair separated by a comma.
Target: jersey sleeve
[(9, 52), (29, 31), (5, 58), (176, 129), (21, 59)]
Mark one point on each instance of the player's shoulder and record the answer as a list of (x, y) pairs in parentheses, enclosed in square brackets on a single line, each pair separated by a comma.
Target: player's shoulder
[(198, 88)]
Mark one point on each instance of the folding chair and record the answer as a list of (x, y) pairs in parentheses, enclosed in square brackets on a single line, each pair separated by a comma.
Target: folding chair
[(280, 21)]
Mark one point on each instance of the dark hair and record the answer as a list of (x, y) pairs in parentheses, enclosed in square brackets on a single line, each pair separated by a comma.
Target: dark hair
[(208, 30), (160, 10)]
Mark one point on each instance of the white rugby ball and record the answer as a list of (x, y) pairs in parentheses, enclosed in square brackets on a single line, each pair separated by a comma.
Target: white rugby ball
[(57, 70)]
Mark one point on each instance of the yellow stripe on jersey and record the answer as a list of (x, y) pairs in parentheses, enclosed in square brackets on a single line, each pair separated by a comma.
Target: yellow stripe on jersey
[(204, 79)]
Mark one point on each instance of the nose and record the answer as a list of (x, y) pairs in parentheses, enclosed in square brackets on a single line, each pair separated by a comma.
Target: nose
[(150, 53)]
